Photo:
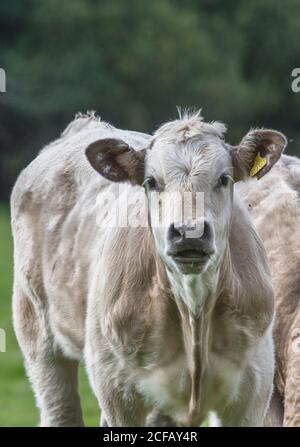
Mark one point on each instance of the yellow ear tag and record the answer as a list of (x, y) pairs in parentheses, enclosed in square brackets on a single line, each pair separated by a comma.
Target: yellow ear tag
[(258, 164)]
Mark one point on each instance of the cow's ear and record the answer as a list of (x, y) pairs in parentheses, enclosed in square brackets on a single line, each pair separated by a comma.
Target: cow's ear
[(117, 161), (257, 153)]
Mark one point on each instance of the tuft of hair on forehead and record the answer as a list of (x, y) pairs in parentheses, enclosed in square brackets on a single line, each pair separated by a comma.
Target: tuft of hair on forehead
[(189, 125)]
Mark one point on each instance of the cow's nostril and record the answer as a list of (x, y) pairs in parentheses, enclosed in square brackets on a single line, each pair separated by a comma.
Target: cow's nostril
[(175, 234), (206, 235)]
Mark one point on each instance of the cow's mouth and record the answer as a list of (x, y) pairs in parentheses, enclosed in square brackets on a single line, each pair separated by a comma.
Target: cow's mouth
[(190, 256)]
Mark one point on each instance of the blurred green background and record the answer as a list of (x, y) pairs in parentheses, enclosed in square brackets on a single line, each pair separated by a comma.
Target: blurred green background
[(132, 61)]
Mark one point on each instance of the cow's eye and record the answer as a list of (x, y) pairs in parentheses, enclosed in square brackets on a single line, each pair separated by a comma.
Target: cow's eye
[(223, 180), (150, 183)]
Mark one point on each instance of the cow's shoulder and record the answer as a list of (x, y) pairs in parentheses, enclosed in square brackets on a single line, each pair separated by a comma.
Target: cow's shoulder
[(247, 276)]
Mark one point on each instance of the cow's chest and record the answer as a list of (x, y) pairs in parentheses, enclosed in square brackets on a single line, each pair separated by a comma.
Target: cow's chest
[(169, 388)]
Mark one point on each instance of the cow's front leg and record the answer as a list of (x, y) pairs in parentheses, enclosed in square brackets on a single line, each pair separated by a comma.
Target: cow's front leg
[(122, 408), (247, 414), (120, 402), (159, 419), (250, 408)]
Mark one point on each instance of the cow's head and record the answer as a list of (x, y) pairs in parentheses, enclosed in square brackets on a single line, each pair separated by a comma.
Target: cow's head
[(188, 156)]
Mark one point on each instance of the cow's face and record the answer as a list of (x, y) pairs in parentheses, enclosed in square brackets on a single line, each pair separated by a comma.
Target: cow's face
[(188, 174), (189, 187)]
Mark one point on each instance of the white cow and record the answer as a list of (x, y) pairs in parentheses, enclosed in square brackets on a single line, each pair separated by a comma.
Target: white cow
[(172, 323)]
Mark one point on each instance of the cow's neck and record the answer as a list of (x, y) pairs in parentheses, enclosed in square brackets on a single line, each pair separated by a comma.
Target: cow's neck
[(195, 296), (194, 290)]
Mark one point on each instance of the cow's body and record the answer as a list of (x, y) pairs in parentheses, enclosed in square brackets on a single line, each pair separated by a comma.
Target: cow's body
[(275, 209), (103, 295)]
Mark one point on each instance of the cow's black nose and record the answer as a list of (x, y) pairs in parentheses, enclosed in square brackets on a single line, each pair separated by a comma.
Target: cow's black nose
[(196, 230)]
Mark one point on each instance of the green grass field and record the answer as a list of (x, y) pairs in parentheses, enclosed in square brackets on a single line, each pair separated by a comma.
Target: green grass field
[(17, 407)]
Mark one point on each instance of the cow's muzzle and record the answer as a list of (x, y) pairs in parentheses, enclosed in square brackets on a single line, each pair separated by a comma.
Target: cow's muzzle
[(190, 244)]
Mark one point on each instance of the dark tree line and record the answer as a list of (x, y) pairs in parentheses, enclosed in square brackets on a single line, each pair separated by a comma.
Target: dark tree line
[(134, 61)]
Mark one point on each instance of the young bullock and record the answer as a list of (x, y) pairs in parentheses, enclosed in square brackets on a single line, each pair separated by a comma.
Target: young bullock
[(173, 321)]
